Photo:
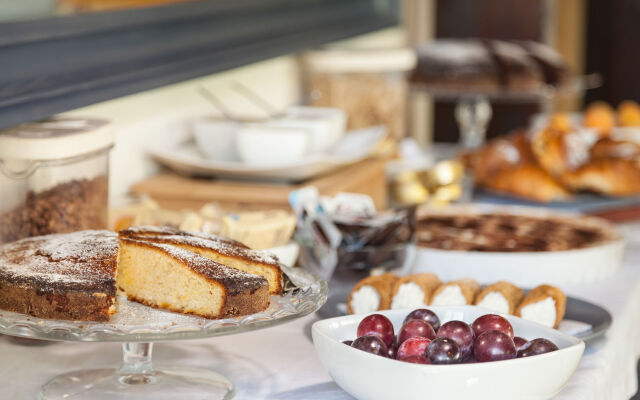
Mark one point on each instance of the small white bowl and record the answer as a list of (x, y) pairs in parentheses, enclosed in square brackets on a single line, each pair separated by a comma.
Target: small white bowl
[(264, 144), (216, 139), (327, 125), (369, 377)]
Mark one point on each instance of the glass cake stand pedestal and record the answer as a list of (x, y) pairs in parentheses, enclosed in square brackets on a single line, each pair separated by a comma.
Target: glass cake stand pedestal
[(137, 327), (473, 108)]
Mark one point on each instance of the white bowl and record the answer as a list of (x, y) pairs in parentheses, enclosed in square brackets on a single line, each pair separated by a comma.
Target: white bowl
[(216, 139), (369, 377), (264, 144), (327, 125)]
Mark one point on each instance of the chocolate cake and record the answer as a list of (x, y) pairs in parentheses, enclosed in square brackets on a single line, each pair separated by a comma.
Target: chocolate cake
[(60, 276), (487, 65), (456, 64)]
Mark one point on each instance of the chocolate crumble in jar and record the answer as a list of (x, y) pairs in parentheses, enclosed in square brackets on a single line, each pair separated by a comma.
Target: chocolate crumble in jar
[(54, 177)]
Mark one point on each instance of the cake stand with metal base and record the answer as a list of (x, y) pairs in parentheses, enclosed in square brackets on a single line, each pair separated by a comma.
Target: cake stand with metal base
[(137, 327)]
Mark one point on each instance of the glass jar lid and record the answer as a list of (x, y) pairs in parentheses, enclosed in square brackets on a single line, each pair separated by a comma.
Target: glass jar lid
[(361, 60), (56, 139)]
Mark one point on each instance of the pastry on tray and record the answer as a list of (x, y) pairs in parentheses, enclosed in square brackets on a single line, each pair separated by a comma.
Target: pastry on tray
[(74, 276), (565, 157), (414, 291), (371, 294), (545, 305), (455, 293), (502, 297)]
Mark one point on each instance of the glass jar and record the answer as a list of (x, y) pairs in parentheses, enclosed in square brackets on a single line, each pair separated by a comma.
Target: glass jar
[(369, 85), (54, 177)]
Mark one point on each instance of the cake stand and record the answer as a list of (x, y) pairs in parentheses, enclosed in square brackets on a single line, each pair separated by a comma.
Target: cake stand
[(137, 327), (473, 106)]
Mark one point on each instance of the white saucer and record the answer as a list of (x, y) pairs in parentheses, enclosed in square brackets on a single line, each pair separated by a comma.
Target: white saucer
[(178, 152)]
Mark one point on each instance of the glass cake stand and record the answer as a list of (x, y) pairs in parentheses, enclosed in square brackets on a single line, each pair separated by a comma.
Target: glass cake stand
[(473, 109), (138, 326)]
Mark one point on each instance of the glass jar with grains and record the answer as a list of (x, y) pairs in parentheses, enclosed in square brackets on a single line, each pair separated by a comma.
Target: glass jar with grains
[(369, 85), (54, 177)]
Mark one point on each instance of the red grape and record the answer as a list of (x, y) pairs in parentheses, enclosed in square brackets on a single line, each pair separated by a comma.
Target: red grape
[(416, 360), (392, 351), (444, 351), (425, 315), (535, 347), (461, 333), (371, 344), (415, 328), (377, 325), (415, 346), (490, 322), (493, 346), (519, 342)]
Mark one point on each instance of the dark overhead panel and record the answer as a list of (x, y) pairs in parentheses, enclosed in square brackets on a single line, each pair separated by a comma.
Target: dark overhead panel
[(58, 64)]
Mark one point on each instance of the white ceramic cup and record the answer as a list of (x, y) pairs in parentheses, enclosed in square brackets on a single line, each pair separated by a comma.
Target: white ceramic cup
[(216, 139)]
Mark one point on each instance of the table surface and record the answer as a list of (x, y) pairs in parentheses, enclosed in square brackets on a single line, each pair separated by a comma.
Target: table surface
[(280, 363)]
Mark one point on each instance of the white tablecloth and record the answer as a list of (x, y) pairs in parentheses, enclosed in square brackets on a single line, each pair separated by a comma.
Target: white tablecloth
[(280, 363)]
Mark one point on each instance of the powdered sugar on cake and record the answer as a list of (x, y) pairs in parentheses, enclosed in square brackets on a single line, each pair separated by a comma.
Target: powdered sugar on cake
[(229, 276), (80, 257)]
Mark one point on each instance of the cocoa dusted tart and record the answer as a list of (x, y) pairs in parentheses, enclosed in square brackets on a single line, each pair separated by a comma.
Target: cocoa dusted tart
[(221, 251), (510, 233), (74, 277), (61, 276)]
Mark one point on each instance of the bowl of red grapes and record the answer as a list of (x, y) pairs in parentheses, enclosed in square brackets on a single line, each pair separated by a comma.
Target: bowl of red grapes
[(453, 352)]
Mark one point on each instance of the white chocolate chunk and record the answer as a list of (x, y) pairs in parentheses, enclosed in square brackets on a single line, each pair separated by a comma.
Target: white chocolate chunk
[(450, 296), (409, 295), (543, 312), (365, 300), (495, 301)]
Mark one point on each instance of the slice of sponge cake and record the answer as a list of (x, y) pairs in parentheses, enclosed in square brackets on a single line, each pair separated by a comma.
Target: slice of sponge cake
[(252, 261), (165, 276)]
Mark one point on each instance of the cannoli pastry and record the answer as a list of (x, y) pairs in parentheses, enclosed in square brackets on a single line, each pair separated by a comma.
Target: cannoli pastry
[(414, 291), (545, 305), (502, 297), (456, 293), (371, 294)]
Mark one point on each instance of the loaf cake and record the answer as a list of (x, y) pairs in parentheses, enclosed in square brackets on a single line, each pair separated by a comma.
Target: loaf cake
[(221, 251), (60, 276), (164, 276)]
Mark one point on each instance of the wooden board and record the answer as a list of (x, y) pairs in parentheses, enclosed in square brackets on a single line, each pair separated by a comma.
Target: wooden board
[(174, 191)]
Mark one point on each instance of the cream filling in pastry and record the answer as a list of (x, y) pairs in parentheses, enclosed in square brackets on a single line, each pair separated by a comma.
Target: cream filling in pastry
[(409, 295), (450, 296), (495, 301), (542, 312), (365, 300)]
